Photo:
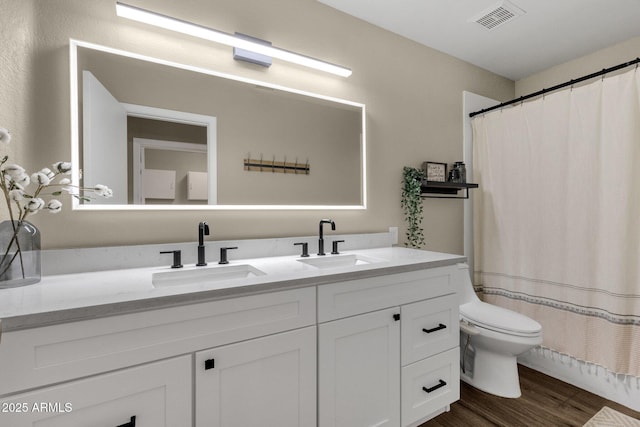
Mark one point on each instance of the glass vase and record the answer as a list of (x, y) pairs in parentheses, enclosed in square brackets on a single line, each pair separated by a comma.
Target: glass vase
[(19, 254)]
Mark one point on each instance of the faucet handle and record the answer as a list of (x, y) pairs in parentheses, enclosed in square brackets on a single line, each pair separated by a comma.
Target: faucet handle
[(334, 247), (305, 248), (223, 255), (177, 258)]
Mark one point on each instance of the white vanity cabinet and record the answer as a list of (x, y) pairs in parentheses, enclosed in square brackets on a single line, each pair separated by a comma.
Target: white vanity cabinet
[(369, 347), (388, 349), (269, 381)]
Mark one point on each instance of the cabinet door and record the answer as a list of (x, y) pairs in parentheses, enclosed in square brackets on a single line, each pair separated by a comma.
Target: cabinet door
[(359, 371), (266, 382), (157, 394)]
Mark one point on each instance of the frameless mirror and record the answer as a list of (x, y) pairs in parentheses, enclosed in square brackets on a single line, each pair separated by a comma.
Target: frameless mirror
[(165, 135)]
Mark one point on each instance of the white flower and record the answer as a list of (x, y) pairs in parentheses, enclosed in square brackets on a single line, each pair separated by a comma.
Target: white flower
[(41, 178), (65, 181), (14, 171), (35, 205), (18, 182), (62, 167), (54, 206), (22, 180), (5, 136), (103, 190), (47, 172), (16, 195)]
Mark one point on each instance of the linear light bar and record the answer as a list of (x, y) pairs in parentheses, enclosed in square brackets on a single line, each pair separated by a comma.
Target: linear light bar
[(169, 23)]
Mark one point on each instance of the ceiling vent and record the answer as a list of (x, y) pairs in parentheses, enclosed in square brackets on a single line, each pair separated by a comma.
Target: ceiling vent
[(498, 15)]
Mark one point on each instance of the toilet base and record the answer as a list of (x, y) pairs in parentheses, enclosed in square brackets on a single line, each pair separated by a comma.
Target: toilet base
[(495, 373)]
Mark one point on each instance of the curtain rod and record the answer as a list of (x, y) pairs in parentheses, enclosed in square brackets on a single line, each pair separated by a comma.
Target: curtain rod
[(560, 86)]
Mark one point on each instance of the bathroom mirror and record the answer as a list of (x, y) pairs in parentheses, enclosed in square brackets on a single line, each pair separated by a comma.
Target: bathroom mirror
[(165, 135)]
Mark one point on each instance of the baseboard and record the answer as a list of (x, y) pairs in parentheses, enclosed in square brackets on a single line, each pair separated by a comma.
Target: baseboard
[(623, 389)]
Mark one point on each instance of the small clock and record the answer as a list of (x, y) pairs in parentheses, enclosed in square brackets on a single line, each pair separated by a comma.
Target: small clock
[(435, 171)]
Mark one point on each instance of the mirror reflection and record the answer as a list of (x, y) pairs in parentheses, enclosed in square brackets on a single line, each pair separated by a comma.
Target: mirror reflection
[(169, 135)]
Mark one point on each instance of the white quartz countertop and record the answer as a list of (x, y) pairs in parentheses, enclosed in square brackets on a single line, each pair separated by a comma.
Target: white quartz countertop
[(80, 296)]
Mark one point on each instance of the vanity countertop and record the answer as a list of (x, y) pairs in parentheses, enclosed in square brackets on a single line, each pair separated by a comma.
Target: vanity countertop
[(81, 296)]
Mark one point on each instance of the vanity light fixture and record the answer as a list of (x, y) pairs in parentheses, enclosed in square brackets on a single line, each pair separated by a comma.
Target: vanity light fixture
[(167, 22)]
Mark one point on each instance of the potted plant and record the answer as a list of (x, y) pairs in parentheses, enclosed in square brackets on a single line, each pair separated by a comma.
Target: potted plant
[(412, 205)]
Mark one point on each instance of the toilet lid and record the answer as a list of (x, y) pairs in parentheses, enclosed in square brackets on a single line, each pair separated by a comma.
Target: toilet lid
[(499, 319)]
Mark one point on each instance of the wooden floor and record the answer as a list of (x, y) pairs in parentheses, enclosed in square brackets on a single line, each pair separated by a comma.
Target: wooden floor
[(545, 402)]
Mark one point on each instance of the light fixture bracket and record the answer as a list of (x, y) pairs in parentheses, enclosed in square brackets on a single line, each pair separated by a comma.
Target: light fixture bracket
[(250, 56)]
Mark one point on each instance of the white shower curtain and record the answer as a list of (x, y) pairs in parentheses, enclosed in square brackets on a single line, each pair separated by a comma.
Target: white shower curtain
[(557, 217)]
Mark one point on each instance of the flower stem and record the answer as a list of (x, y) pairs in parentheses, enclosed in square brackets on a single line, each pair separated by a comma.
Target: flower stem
[(16, 228)]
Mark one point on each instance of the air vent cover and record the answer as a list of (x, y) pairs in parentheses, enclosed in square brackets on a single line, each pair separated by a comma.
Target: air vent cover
[(498, 15)]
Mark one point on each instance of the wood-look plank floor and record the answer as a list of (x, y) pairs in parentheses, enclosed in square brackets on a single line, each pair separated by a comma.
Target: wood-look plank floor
[(545, 402)]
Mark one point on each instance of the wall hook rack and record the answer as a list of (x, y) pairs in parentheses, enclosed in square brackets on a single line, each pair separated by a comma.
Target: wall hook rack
[(273, 166)]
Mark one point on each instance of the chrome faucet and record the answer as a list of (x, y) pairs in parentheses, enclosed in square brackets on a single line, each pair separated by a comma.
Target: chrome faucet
[(321, 236), (203, 230)]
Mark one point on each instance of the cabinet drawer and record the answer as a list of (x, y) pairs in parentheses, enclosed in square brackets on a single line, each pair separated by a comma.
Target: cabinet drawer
[(51, 354), (343, 299), (429, 327), (429, 385), (157, 394)]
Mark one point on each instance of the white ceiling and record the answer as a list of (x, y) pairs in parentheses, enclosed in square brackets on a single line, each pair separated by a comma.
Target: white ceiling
[(549, 33)]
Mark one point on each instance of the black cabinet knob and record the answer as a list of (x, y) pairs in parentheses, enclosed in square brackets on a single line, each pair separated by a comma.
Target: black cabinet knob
[(209, 364), (396, 317)]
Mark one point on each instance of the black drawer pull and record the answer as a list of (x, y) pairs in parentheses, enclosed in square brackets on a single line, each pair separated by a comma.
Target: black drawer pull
[(209, 364), (131, 423), (437, 328), (435, 387)]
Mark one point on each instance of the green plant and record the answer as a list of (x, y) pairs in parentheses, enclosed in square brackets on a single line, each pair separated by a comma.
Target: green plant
[(412, 206)]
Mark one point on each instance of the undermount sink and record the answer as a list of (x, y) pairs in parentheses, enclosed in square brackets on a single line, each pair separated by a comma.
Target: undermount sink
[(202, 275), (336, 261)]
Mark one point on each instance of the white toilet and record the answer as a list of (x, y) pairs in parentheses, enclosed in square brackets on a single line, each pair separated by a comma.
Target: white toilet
[(491, 338)]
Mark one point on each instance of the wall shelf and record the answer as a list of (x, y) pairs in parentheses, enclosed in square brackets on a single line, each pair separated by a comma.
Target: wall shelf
[(445, 190)]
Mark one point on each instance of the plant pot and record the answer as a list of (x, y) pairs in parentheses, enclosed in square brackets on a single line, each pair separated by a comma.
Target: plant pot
[(19, 254)]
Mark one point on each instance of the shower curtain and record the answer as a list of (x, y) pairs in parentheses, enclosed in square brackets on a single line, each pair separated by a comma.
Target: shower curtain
[(557, 217)]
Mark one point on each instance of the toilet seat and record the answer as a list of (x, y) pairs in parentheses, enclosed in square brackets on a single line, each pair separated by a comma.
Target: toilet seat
[(499, 319)]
